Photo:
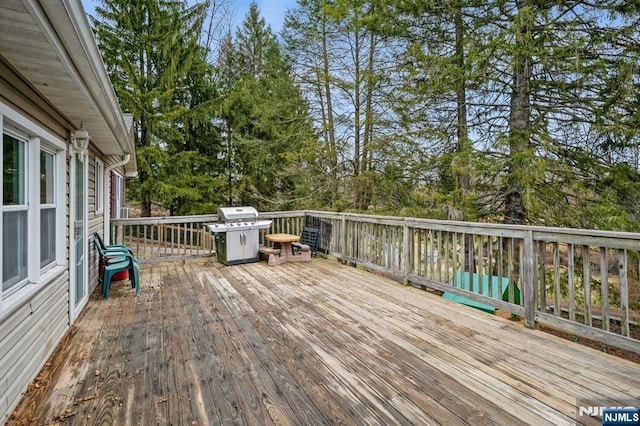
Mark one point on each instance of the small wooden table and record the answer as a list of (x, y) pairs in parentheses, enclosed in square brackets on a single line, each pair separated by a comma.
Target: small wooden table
[(286, 249)]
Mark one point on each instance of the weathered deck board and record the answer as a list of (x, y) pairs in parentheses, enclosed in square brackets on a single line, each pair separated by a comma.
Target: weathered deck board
[(348, 305), (307, 333), (296, 360), (310, 343), (468, 323), (330, 349)]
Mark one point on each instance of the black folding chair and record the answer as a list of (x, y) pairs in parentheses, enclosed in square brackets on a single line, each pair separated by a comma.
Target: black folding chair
[(310, 239)]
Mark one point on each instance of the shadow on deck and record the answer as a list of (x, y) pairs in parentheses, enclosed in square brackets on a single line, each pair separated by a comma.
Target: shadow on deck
[(310, 343)]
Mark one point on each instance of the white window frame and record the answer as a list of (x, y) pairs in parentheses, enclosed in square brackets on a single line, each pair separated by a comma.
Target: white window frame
[(52, 205), (37, 139), (118, 199), (23, 207), (99, 186)]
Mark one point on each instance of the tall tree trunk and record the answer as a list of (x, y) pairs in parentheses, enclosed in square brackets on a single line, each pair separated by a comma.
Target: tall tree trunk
[(463, 146), (357, 190), (356, 105), (229, 165), (368, 119), (519, 118), (145, 131), (139, 137), (329, 125)]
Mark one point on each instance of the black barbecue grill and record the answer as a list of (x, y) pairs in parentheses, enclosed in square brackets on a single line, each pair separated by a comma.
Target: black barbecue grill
[(236, 235)]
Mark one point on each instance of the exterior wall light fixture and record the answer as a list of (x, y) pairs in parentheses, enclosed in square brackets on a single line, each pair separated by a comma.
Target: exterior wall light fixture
[(80, 140)]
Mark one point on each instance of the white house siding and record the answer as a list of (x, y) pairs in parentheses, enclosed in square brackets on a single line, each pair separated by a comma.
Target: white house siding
[(34, 321), (96, 223), (31, 329), (29, 335)]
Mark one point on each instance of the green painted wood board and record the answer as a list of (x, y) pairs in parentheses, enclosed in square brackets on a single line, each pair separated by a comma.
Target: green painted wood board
[(500, 289)]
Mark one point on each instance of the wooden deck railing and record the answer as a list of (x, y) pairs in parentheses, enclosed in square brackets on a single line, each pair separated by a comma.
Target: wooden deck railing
[(165, 238), (159, 239), (583, 282)]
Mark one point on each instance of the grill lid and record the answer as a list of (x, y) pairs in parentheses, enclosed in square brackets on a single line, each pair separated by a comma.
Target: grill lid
[(237, 214)]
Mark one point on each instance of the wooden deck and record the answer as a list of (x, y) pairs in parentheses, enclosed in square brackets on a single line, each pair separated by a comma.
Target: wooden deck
[(309, 343)]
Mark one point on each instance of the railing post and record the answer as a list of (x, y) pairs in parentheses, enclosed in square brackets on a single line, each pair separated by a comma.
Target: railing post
[(343, 249), (406, 249), (528, 283)]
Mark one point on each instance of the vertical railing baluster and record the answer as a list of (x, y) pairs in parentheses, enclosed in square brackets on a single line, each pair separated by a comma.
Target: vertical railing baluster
[(500, 260), (556, 280), (542, 276), (439, 248), (604, 287), (454, 245), (572, 284), (511, 268), (490, 269), (624, 291), (191, 242), (451, 244), (417, 260), (144, 233), (137, 240), (586, 281), (406, 252), (479, 268), (343, 230), (431, 256), (528, 289), (463, 259)]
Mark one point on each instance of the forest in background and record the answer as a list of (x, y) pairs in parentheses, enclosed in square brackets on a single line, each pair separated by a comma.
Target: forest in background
[(522, 112)]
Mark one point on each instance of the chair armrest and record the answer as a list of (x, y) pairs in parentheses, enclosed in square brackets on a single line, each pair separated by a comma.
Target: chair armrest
[(117, 246), (118, 249), (112, 260), (122, 255)]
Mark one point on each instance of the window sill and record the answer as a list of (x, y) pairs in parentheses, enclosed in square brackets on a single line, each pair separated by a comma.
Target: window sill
[(28, 291), (51, 273)]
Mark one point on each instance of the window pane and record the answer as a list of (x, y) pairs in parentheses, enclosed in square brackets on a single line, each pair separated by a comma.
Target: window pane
[(119, 191), (47, 236), (13, 171), (46, 178), (117, 195), (99, 185), (14, 248)]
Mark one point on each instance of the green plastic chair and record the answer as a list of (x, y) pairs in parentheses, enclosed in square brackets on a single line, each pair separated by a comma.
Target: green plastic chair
[(115, 261), (112, 247)]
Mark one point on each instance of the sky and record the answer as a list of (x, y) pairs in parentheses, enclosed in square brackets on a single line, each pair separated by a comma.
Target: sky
[(271, 10)]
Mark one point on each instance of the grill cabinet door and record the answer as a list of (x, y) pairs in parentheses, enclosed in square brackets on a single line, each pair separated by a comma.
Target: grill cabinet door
[(235, 245), (251, 245)]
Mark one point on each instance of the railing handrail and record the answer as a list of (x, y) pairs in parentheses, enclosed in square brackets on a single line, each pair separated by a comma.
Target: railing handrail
[(204, 218), (156, 220), (540, 232), (481, 225)]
